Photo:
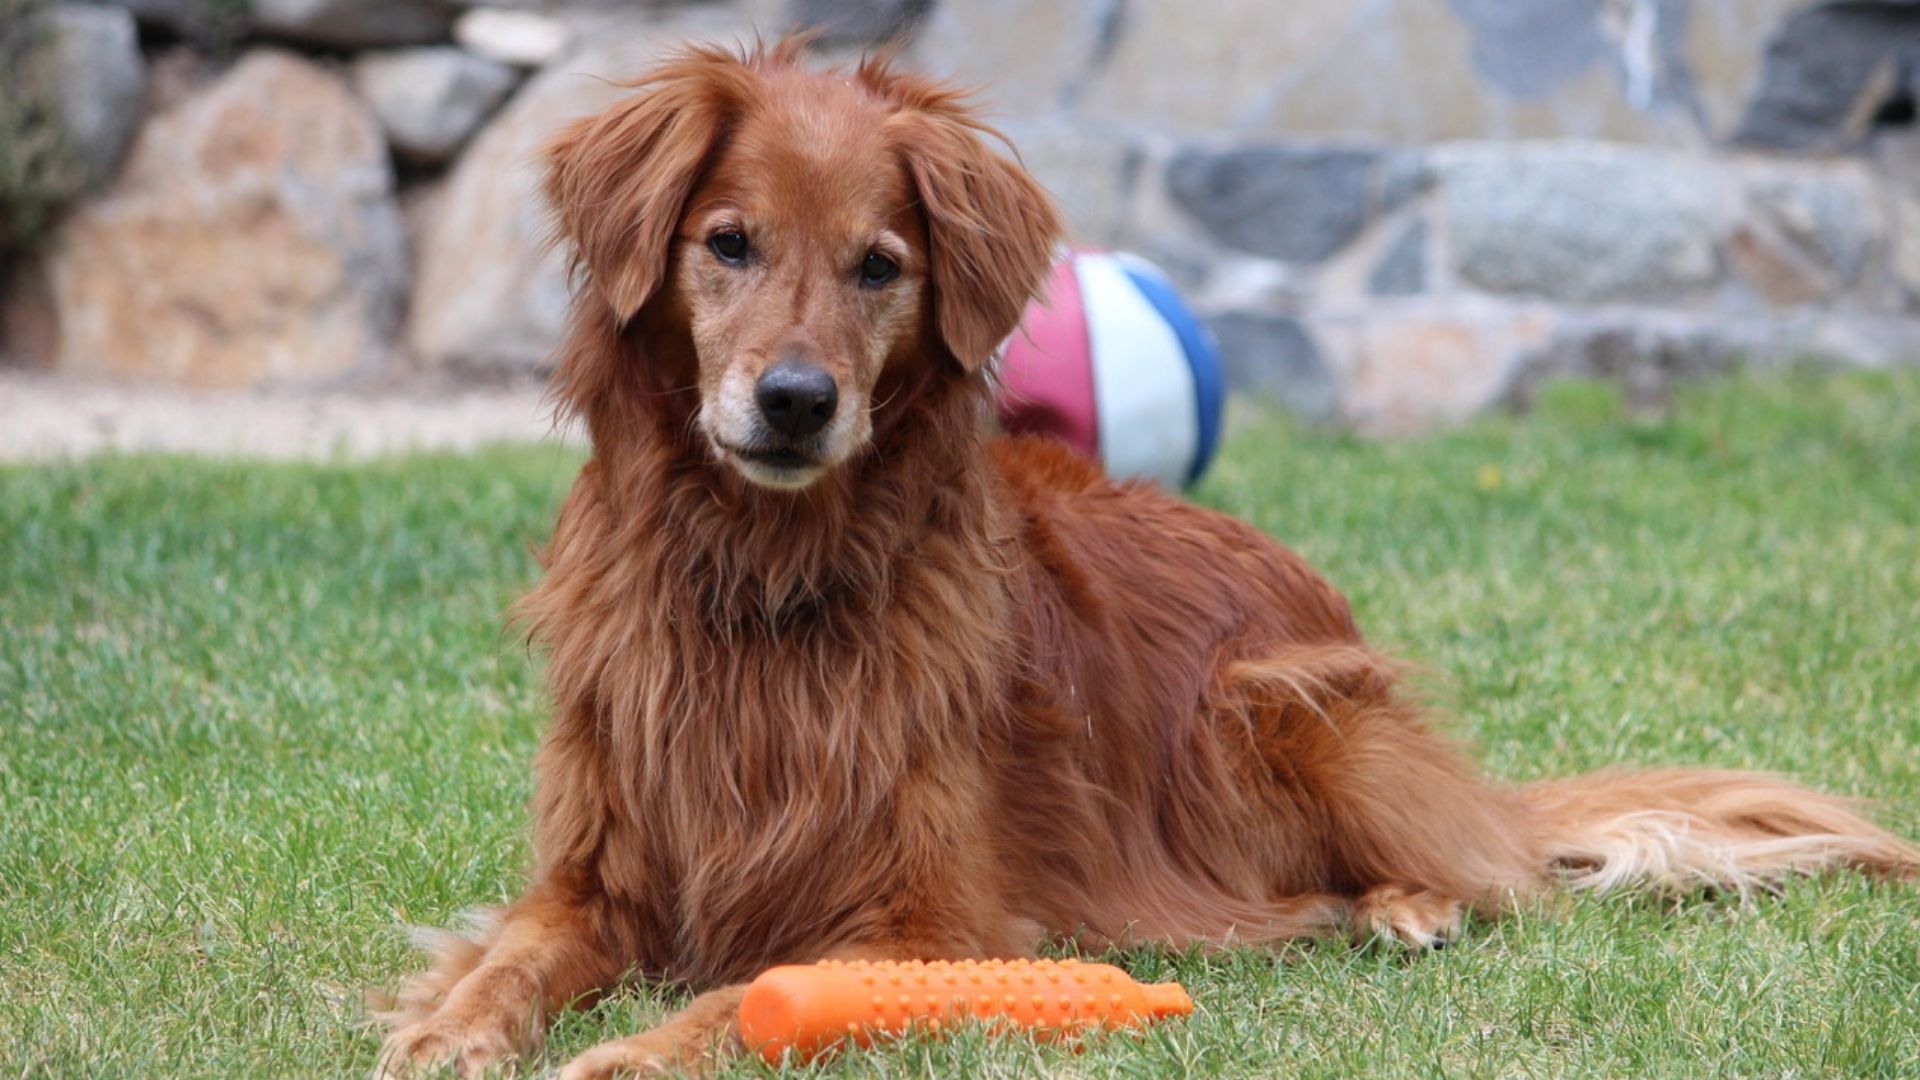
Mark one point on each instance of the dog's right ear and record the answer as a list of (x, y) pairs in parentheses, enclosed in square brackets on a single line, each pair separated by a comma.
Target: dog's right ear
[(618, 181)]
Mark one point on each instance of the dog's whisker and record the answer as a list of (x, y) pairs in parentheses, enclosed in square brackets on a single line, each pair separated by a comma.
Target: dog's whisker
[(675, 390)]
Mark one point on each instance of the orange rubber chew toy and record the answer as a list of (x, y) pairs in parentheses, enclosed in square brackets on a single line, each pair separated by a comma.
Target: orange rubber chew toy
[(806, 1008)]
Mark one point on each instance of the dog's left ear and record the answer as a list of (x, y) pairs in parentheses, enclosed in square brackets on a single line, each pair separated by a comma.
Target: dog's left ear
[(618, 181), (992, 230)]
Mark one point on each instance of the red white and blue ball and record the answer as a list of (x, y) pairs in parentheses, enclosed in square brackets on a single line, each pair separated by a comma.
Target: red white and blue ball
[(1111, 360)]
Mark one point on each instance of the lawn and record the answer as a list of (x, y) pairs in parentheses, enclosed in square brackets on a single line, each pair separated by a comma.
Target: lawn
[(253, 719)]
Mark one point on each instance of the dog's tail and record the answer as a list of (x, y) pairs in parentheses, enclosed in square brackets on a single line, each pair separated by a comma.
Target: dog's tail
[(1684, 829)]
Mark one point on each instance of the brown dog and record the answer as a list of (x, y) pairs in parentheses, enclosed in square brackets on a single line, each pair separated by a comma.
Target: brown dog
[(836, 674)]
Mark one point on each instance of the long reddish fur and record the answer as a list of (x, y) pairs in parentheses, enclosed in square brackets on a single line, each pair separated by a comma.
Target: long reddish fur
[(966, 693)]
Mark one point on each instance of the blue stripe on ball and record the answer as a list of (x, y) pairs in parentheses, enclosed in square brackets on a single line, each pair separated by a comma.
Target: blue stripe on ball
[(1203, 357)]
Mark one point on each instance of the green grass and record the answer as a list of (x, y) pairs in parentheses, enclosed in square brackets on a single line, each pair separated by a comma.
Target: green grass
[(254, 718)]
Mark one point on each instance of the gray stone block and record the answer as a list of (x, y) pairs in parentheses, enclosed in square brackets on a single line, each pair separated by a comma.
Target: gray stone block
[(1405, 176), (1274, 359), (1584, 224), (1529, 48), (1298, 203), (99, 82), (429, 100), (1402, 271), (1822, 68), (353, 24)]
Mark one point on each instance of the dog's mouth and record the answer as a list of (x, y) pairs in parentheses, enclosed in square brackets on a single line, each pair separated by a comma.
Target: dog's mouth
[(774, 466), (784, 457)]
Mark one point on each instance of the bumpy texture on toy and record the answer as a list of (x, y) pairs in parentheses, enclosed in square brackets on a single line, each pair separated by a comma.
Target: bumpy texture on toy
[(807, 1008)]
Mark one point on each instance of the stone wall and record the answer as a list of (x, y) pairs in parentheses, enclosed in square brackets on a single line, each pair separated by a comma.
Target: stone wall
[(1390, 287), (1392, 212)]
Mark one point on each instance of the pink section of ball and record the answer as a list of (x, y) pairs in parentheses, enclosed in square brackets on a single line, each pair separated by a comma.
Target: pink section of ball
[(1046, 373)]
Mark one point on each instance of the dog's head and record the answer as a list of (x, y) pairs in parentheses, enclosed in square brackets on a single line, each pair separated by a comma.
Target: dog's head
[(814, 232)]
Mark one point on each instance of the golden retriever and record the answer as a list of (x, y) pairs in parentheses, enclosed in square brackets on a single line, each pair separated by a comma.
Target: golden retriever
[(837, 673)]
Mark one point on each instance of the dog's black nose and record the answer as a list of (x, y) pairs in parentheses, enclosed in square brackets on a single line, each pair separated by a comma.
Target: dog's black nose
[(796, 397)]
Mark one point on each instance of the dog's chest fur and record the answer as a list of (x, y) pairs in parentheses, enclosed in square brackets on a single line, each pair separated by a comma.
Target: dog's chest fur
[(768, 770)]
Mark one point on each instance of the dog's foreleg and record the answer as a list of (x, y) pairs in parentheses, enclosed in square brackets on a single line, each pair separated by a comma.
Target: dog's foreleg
[(693, 1041), (545, 952)]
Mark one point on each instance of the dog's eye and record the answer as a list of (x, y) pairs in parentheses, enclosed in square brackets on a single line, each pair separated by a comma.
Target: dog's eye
[(877, 270), (729, 247)]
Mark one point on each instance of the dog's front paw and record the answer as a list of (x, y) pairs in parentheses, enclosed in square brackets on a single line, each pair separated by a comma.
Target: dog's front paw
[(621, 1058), (432, 1047)]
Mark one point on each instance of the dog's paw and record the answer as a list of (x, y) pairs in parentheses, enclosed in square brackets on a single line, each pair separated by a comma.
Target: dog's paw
[(621, 1058), (1417, 919), (435, 1047)]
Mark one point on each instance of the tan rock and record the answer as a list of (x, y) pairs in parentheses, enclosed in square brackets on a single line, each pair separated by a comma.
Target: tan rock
[(491, 295), (1774, 269), (1411, 369), (253, 235)]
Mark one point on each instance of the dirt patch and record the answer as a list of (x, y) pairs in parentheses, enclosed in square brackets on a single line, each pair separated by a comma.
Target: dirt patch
[(44, 418)]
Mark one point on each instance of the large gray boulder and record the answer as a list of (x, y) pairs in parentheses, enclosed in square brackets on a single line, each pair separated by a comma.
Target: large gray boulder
[(1298, 203), (98, 84), (1827, 71), (1581, 223), (429, 100), (253, 236)]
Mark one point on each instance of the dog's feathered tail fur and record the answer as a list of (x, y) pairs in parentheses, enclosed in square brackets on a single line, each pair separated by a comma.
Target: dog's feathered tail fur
[(1681, 830)]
